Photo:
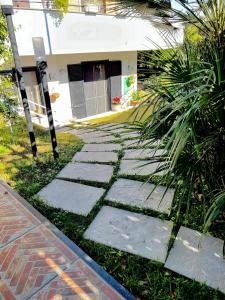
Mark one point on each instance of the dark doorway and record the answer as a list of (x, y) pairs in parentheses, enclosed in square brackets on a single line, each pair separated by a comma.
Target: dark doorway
[(96, 89), (89, 88)]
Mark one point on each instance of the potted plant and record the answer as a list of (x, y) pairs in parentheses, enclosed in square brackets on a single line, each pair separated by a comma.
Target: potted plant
[(116, 104), (136, 98)]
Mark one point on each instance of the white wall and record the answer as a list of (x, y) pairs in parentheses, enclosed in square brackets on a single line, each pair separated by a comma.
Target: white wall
[(85, 33), (58, 76)]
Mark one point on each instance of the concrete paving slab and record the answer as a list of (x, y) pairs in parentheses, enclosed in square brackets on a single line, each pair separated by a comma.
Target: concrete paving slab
[(71, 196), (131, 232), (103, 157), (82, 131), (130, 135), (101, 147), (199, 257), (143, 153), (107, 125), (94, 134), (99, 140), (89, 172), (140, 167), (141, 195), (136, 143), (63, 129)]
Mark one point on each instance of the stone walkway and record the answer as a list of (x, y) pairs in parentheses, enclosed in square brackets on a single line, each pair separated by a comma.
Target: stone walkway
[(106, 169), (38, 262)]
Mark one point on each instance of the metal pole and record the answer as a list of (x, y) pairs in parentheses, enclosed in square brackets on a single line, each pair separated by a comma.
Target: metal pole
[(42, 67), (8, 11)]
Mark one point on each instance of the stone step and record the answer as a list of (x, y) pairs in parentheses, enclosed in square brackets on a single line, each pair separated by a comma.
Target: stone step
[(101, 147), (99, 140), (70, 196), (87, 172), (140, 167), (130, 135), (141, 195), (136, 143), (142, 153), (103, 157), (131, 232), (199, 257)]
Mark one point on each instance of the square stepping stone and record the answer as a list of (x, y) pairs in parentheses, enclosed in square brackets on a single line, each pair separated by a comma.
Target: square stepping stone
[(87, 172), (101, 147), (104, 157), (131, 232), (95, 135), (140, 167), (107, 125), (130, 135), (71, 196), (99, 140), (141, 195), (143, 153), (63, 129), (199, 257), (119, 130), (136, 143), (81, 131)]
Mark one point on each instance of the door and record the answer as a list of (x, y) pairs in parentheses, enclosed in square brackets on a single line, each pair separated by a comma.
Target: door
[(76, 84), (33, 90), (96, 87)]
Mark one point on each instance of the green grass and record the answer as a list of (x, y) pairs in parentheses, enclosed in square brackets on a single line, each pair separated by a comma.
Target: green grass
[(142, 277)]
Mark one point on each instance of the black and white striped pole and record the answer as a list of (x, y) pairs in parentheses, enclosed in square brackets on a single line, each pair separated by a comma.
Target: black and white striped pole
[(39, 50), (7, 9)]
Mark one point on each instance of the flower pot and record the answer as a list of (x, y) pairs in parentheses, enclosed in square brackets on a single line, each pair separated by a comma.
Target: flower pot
[(54, 96), (116, 107), (134, 102)]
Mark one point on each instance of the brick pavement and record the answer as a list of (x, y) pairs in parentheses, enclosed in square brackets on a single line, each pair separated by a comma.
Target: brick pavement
[(37, 263)]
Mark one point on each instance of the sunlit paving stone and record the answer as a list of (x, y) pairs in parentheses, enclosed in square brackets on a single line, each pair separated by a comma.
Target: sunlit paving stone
[(94, 135), (119, 130), (30, 262), (63, 129), (103, 157), (70, 196), (136, 143), (87, 172), (99, 140), (77, 282), (199, 257), (82, 131), (140, 167), (130, 135), (143, 153), (131, 232), (101, 147), (141, 195), (107, 125)]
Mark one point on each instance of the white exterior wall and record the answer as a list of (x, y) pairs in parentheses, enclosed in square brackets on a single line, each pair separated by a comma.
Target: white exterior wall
[(86, 33), (58, 76)]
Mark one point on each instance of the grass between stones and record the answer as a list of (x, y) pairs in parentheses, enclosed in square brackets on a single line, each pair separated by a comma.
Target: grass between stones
[(146, 279)]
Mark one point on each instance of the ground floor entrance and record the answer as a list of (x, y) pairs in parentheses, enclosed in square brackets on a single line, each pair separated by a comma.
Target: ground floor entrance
[(91, 86)]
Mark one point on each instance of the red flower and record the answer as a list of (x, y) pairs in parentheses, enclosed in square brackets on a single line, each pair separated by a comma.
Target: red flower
[(116, 100)]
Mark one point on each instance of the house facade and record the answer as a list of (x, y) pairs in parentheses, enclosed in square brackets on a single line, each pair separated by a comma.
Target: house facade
[(91, 55)]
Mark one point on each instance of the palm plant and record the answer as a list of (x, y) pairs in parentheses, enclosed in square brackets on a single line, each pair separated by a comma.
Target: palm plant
[(188, 101)]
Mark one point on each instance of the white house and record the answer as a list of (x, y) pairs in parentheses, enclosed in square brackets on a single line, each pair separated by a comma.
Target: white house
[(91, 54)]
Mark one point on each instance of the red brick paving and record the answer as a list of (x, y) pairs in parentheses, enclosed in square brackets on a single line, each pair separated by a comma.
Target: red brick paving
[(35, 264)]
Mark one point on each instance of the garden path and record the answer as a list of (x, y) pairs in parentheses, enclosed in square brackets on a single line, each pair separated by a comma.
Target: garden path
[(112, 167)]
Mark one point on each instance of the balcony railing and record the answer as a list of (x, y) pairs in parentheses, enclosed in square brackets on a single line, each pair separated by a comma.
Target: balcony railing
[(81, 6)]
